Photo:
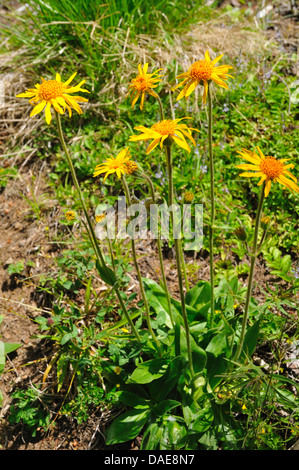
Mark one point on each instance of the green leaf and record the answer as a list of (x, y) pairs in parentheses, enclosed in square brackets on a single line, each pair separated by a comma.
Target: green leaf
[(2, 356), (106, 274), (127, 426), (250, 340), (218, 344), (152, 437), (164, 406), (174, 435), (157, 300), (199, 298), (134, 400), (148, 371), (10, 347), (203, 421), (216, 367), (6, 348), (159, 389)]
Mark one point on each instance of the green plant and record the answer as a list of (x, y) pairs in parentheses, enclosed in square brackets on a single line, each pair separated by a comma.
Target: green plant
[(5, 348), (30, 407)]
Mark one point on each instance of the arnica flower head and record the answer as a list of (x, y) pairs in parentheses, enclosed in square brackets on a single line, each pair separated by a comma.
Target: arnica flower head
[(131, 168), (203, 72), (165, 133), (268, 169), (188, 196), (70, 215), (116, 165), (143, 83), (57, 94)]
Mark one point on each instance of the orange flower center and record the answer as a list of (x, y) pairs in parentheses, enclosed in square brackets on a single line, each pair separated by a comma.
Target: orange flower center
[(166, 127), (201, 70), (271, 167), (141, 83), (50, 89)]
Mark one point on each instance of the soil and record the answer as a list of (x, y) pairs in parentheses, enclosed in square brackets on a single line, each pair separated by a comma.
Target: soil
[(26, 235)]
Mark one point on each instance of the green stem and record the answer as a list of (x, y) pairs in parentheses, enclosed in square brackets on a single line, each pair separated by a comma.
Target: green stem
[(111, 253), (212, 218), (184, 265), (251, 273), (160, 108), (152, 191), (178, 260), (147, 311), (180, 244), (90, 230)]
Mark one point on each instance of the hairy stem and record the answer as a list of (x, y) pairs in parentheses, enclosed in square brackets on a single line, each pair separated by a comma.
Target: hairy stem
[(253, 255), (212, 217), (152, 191), (178, 260)]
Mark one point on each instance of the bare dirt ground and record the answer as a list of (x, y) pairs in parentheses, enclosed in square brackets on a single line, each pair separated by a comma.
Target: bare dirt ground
[(22, 236)]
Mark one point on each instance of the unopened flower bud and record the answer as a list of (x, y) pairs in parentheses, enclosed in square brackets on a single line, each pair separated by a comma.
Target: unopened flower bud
[(265, 221), (241, 234), (131, 167), (188, 196)]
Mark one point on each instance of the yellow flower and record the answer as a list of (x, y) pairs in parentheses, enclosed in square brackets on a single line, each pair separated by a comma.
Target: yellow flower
[(117, 370), (269, 169), (143, 83), (100, 217), (202, 72), (162, 130), (116, 165), (54, 93), (70, 215)]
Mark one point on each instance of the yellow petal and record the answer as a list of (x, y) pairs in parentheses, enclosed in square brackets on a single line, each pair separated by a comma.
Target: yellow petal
[(247, 166), (290, 175), (191, 88), (249, 156), (290, 184), (38, 108), (258, 173), (205, 93), (70, 79), (181, 143), (142, 101), (263, 178), (56, 106), (26, 94), (152, 145), (214, 61), (135, 98), (267, 187), (48, 113), (261, 153)]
